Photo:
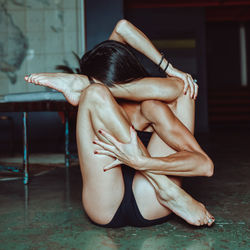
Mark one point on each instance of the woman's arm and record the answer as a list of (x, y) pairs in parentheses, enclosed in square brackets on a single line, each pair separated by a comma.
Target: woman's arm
[(126, 32), (71, 85), (150, 88), (189, 160)]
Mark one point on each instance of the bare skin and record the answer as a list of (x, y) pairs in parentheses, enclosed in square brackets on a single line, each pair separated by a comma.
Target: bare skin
[(124, 32), (70, 85), (128, 154), (166, 190), (155, 193)]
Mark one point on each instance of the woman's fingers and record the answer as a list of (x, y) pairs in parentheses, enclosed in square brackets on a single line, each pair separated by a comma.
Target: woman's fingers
[(105, 145), (109, 137), (105, 152), (186, 85), (188, 82), (195, 90), (114, 164), (191, 85), (113, 140), (133, 134)]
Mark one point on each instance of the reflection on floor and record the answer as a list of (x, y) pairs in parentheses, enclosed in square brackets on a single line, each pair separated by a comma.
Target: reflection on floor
[(48, 213), (47, 159), (39, 164)]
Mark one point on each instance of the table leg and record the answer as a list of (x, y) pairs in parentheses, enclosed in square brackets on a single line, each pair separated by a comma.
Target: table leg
[(25, 150), (67, 155), (26, 204)]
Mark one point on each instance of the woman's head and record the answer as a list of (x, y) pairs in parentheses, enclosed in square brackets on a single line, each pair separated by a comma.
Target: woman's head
[(112, 62)]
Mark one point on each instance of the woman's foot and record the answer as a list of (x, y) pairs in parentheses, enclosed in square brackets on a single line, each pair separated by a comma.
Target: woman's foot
[(183, 205), (70, 85)]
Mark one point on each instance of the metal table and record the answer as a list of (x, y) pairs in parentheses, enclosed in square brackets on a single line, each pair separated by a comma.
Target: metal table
[(30, 102)]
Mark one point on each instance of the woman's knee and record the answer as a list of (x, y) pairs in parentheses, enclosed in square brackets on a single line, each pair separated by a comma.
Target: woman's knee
[(185, 99), (96, 93)]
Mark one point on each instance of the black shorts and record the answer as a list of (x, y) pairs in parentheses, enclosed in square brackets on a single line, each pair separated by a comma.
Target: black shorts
[(128, 213)]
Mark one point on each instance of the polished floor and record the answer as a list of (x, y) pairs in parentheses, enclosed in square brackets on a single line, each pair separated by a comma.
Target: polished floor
[(47, 214)]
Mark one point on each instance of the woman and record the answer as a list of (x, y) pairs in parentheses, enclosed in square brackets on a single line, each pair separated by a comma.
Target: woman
[(148, 191)]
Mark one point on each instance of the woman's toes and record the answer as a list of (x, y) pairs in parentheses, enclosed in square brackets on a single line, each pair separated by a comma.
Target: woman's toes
[(198, 223), (210, 221), (205, 221)]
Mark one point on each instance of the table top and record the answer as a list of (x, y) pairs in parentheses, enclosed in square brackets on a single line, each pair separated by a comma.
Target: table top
[(33, 96), (36, 106), (35, 101)]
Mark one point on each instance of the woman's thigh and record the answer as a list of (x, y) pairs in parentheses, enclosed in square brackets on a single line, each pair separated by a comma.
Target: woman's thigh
[(102, 191)]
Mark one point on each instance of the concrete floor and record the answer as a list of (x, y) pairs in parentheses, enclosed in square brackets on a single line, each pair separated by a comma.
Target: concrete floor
[(48, 213)]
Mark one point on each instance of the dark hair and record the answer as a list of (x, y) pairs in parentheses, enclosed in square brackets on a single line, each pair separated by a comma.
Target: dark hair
[(111, 62)]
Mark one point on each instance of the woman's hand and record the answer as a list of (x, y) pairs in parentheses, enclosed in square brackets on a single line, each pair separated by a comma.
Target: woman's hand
[(188, 81), (126, 153)]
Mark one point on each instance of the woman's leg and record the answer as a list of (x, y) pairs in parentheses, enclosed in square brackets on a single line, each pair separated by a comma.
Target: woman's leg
[(102, 194), (184, 109), (102, 191)]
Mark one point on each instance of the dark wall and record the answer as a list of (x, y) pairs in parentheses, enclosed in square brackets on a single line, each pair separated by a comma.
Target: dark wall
[(248, 50), (45, 132), (179, 23), (101, 17), (223, 55)]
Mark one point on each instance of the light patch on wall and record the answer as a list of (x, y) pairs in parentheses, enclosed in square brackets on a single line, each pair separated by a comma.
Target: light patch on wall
[(36, 36), (30, 54)]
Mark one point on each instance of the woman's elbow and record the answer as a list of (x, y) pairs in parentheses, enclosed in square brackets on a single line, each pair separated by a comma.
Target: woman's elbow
[(122, 26)]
